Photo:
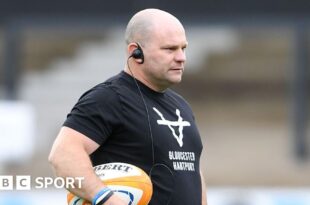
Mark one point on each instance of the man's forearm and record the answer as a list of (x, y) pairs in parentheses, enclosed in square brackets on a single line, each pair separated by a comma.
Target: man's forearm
[(70, 163)]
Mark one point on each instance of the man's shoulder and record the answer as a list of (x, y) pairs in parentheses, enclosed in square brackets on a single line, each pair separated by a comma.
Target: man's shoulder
[(103, 91), (178, 97), (174, 94)]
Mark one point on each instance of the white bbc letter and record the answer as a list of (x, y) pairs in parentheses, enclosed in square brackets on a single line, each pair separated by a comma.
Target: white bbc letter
[(6, 182), (23, 182)]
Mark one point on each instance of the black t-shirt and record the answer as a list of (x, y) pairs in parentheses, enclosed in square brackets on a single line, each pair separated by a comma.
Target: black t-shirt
[(132, 128)]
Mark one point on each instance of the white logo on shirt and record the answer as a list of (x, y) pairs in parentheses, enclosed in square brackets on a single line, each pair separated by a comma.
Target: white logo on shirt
[(179, 123)]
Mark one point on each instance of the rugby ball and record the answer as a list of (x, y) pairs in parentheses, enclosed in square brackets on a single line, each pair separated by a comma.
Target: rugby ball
[(127, 181)]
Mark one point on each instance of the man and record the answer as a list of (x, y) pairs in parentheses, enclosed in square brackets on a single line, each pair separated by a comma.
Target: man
[(135, 118)]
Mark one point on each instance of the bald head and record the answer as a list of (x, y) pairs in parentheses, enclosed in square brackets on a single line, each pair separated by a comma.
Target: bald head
[(143, 24)]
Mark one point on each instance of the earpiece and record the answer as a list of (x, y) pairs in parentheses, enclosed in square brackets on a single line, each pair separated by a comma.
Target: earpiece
[(138, 54)]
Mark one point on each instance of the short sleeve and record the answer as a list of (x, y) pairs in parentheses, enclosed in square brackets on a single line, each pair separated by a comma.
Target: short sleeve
[(96, 114)]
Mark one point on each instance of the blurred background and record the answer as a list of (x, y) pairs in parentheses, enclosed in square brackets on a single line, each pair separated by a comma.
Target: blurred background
[(247, 79)]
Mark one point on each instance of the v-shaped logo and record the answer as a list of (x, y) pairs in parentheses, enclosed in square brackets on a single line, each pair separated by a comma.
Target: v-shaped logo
[(171, 124)]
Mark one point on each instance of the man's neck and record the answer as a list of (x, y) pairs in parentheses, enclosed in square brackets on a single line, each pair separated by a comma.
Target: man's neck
[(139, 76)]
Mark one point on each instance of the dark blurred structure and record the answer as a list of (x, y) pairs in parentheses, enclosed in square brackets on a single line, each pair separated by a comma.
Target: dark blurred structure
[(221, 8)]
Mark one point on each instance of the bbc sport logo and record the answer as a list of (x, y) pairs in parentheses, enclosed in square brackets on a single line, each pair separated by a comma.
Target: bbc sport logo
[(26, 182)]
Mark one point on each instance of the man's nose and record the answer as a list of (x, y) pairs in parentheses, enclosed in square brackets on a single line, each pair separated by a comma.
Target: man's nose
[(180, 55)]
